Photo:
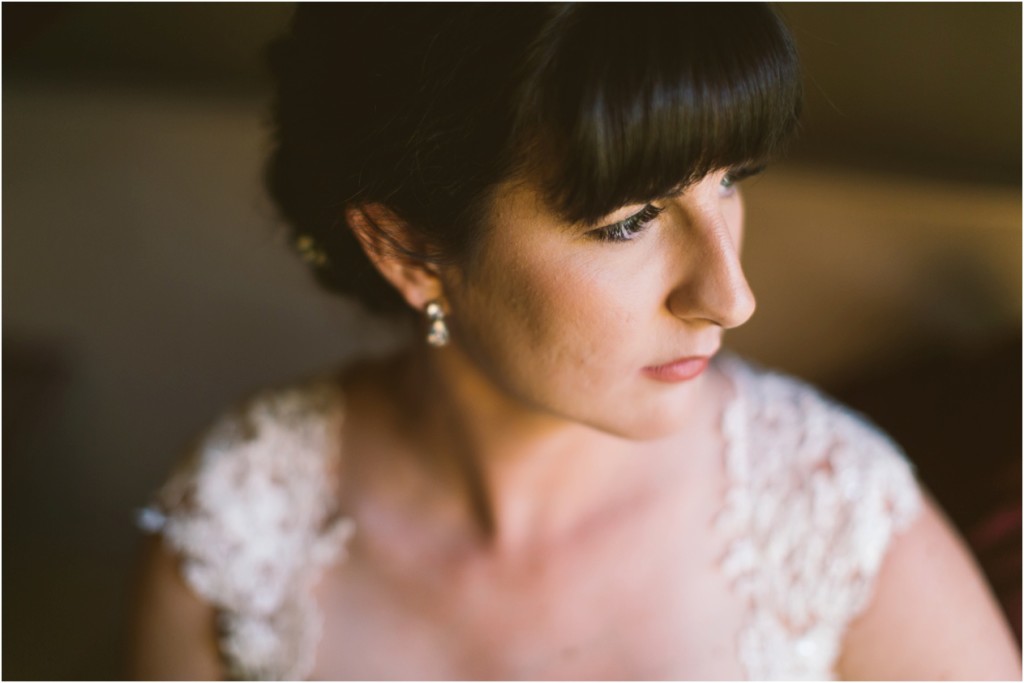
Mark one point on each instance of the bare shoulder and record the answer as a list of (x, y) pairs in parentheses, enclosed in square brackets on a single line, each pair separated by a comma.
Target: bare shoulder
[(250, 506), (932, 616), (173, 630)]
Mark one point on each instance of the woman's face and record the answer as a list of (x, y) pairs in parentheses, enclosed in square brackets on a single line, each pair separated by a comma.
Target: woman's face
[(570, 320)]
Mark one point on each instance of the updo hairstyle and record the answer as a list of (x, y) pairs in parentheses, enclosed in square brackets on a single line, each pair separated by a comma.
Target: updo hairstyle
[(426, 108)]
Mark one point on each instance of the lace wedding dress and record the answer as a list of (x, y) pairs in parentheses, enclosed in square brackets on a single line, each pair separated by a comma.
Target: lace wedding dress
[(815, 494)]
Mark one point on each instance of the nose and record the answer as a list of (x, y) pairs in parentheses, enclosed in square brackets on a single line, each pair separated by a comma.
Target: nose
[(713, 287)]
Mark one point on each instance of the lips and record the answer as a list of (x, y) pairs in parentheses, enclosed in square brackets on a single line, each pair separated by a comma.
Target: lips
[(679, 370)]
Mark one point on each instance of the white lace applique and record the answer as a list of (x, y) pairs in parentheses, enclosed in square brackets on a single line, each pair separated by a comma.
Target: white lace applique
[(253, 516), (815, 495)]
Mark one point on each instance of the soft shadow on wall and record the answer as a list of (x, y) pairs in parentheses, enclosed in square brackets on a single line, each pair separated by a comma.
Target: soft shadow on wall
[(147, 283)]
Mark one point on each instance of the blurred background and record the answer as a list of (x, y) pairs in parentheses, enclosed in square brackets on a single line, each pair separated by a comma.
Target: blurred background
[(146, 281)]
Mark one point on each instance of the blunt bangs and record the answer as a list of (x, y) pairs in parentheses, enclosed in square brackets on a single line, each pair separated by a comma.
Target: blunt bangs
[(631, 103)]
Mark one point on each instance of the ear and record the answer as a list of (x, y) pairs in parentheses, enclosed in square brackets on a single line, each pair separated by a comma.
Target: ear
[(388, 242)]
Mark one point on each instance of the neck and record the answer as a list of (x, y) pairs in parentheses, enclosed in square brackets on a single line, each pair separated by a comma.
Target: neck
[(518, 476)]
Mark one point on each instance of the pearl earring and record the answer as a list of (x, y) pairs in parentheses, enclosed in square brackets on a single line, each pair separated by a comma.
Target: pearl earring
[(437, 335)]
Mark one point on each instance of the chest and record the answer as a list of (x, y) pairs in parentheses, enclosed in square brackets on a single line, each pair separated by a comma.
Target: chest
[(630, 603)]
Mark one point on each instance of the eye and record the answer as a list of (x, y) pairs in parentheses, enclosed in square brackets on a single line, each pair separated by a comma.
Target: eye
[(731, 179), (728, 185), (628, 228)]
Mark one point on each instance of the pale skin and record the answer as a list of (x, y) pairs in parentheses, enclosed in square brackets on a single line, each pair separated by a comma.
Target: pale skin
[(530, 505)]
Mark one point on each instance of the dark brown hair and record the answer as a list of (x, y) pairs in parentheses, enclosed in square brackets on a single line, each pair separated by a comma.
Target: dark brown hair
[(427, 107)]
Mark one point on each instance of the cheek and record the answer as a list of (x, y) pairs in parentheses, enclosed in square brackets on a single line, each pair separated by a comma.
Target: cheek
[(565, 329), (552, 312)]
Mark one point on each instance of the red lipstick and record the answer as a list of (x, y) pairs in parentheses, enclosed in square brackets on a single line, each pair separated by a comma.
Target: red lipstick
[(679, 370)]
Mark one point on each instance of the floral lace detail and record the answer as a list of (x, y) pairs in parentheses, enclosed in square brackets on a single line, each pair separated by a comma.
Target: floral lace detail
[(815, 495), (253, 515)]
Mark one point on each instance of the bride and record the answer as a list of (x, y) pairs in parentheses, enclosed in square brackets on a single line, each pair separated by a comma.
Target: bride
[(565, 477)]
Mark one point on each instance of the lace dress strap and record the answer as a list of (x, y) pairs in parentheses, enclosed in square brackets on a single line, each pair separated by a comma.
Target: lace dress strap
[(815, 495), (252, 512)]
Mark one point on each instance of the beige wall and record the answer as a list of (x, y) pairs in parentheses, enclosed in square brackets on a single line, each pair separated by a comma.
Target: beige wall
[(854, 270)]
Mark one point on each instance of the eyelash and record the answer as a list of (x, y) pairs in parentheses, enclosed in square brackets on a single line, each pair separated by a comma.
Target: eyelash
[(627, 229)]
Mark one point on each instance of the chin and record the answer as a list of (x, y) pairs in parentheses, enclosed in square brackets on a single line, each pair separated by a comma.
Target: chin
[(662, 417)]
